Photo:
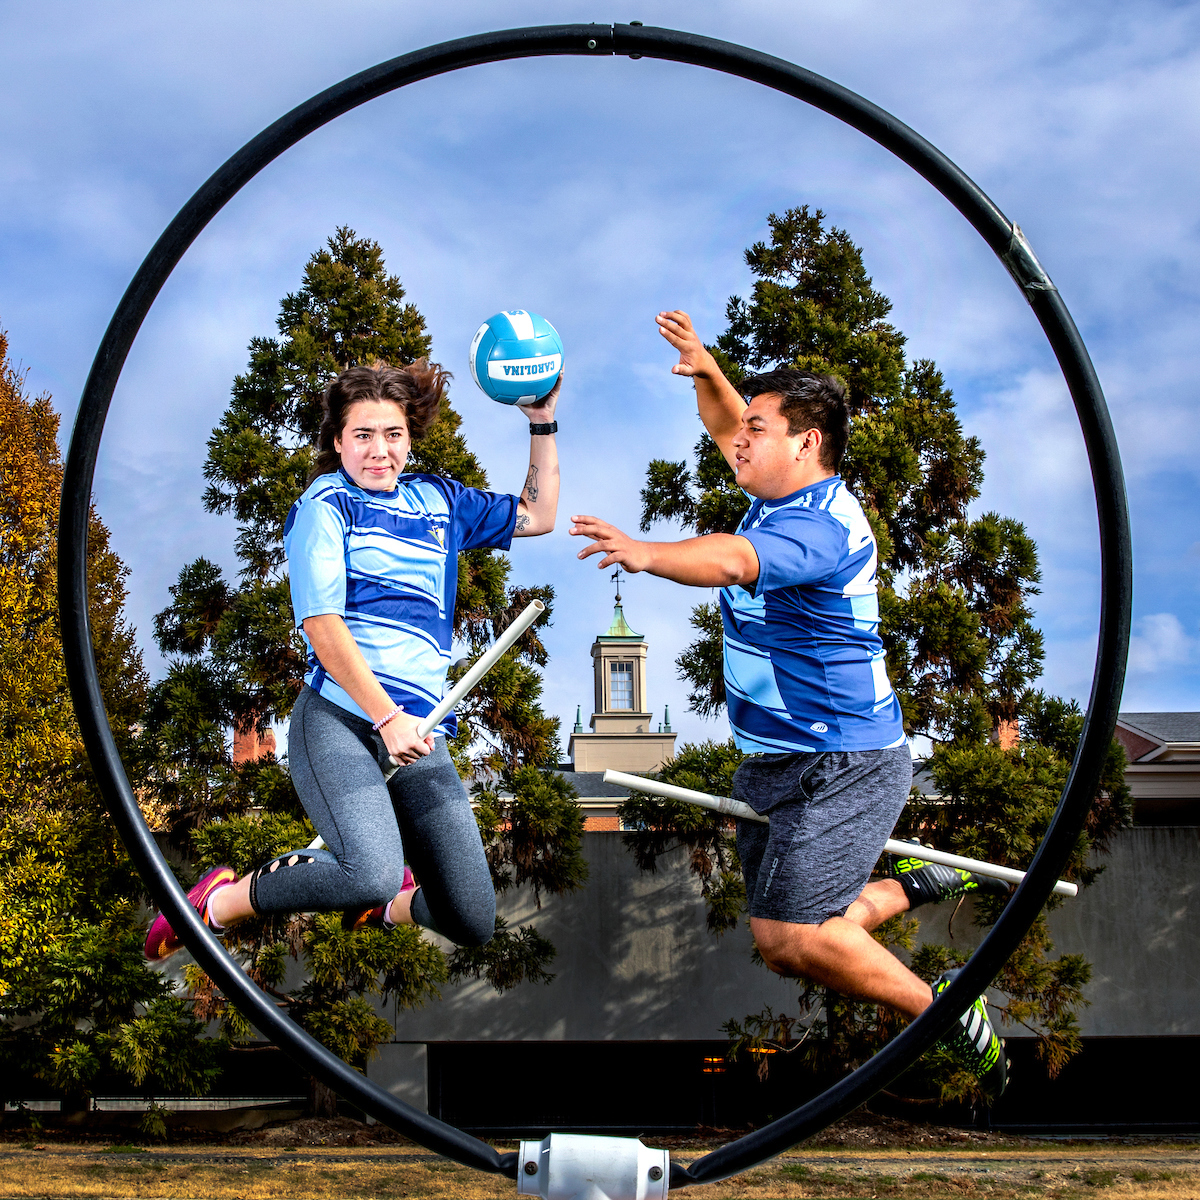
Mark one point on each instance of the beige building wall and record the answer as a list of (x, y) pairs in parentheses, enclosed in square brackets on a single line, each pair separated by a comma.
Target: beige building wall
[(604, 654), (621, 752)]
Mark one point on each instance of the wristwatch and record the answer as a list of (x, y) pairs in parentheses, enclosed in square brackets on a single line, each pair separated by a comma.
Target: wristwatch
[(541, 429)]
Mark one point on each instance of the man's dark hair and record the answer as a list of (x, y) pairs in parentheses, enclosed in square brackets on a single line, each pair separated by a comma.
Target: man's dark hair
[(809, 401)]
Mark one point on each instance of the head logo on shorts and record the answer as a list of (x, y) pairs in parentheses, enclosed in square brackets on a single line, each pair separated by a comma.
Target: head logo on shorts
[(819, 727)]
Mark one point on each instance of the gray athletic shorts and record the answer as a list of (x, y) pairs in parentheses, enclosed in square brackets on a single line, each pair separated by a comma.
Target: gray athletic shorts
[(830, 815)]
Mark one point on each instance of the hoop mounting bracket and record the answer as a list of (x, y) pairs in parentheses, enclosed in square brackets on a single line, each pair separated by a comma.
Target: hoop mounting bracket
[(574, 1166)]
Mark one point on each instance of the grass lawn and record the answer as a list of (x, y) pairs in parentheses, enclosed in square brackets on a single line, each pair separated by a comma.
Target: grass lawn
[(50, 1170)]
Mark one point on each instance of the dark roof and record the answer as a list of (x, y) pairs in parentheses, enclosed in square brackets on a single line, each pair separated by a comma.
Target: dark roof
[(1164, 726), (923, 779), (590, 784)]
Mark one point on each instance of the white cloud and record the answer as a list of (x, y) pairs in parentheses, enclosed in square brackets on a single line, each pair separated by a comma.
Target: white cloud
[(1035, 450), (638, 184), (1161, 643)]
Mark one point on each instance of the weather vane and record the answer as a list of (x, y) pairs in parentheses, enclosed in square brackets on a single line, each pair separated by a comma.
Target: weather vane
[(617, 576)]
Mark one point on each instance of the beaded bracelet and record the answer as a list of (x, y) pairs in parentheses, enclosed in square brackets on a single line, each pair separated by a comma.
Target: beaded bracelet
[(395, 712)]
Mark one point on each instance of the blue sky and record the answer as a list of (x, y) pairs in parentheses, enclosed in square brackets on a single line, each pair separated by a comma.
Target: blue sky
[(598, 192)]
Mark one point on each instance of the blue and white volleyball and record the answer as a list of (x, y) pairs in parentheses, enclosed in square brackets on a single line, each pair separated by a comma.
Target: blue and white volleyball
[(516, 357)]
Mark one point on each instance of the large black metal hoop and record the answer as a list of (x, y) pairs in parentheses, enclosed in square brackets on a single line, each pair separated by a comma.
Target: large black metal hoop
[(1116, 559)]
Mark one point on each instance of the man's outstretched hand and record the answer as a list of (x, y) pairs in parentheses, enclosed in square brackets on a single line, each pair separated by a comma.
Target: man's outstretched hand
[(714, 560), (694, 359), (617, 547)]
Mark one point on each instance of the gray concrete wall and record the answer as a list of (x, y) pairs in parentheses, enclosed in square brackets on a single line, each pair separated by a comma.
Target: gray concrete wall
[(635, 960), (1139, 927), (402, 1068)]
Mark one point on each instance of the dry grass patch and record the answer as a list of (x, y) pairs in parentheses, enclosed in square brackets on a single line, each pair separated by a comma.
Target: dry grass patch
[(245, 1177), (122, 1172)]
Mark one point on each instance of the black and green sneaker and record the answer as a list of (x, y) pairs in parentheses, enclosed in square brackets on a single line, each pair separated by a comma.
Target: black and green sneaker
[(974, 1043), (928, 883)]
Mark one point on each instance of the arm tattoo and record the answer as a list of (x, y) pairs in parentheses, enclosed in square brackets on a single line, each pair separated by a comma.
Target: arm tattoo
[(531, 485), (522, 524)]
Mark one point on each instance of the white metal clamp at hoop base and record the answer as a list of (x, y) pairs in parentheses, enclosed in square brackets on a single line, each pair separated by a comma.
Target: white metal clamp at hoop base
[(579, 1166)]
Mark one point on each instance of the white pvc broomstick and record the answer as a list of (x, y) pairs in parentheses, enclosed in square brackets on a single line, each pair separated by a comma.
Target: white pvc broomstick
[(735, 808), (482, 666)]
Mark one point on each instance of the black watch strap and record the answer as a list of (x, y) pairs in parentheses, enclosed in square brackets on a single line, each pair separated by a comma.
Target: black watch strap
[(542, 429)]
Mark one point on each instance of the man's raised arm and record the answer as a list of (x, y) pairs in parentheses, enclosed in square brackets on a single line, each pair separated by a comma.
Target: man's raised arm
[(718, 401)]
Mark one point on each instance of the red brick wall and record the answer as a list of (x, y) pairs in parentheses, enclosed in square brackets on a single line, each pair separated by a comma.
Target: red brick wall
[(249, 746), (601, 824), (1135, 746)]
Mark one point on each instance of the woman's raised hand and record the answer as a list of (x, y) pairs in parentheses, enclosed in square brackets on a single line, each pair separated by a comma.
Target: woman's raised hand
[(403, 742), (542, 413)]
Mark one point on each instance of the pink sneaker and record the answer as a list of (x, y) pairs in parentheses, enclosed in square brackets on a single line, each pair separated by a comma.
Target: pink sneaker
[(162, 941), (372, 918)]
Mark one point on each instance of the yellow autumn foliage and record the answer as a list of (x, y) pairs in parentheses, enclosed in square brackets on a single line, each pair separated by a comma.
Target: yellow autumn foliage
[(58, 854)]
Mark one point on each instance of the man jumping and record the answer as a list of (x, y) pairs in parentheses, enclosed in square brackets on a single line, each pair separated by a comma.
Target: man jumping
[(808, 693)]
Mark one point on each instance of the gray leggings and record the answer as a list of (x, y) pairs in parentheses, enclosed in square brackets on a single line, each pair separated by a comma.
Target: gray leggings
[(370, 827)]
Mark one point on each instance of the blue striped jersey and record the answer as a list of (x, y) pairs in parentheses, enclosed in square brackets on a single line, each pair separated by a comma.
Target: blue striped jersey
[(804, 664), (387, 562)]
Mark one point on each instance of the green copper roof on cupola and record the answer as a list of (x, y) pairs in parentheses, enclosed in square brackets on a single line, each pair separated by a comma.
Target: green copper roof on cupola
[(620, 627)]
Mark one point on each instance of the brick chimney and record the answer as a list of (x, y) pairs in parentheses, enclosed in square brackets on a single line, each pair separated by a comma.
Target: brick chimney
[(249, 746), (1006, 734)]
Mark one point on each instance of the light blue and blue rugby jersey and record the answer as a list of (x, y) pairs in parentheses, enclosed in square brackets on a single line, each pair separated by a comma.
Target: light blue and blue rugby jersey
[(804, 665), (387, 562)]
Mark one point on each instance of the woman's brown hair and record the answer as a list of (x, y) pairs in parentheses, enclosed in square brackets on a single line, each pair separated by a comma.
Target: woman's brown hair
[(417, 389)]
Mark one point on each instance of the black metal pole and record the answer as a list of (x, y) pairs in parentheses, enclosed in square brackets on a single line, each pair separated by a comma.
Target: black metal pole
[(999, 233), (212, 196)]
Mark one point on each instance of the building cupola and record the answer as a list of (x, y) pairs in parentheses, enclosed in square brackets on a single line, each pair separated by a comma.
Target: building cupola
[(622, 736)]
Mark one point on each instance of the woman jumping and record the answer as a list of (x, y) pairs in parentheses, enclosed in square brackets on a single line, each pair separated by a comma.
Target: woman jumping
[(373, 559)]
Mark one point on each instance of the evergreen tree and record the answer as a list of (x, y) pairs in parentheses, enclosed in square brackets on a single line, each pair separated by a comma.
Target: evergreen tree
[(237, 660), (77, 1002), (962, 651)]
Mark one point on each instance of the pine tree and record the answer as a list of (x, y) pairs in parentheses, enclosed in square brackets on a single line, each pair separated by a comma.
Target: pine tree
[(77, 1002), (237, 661), (962, 651)]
